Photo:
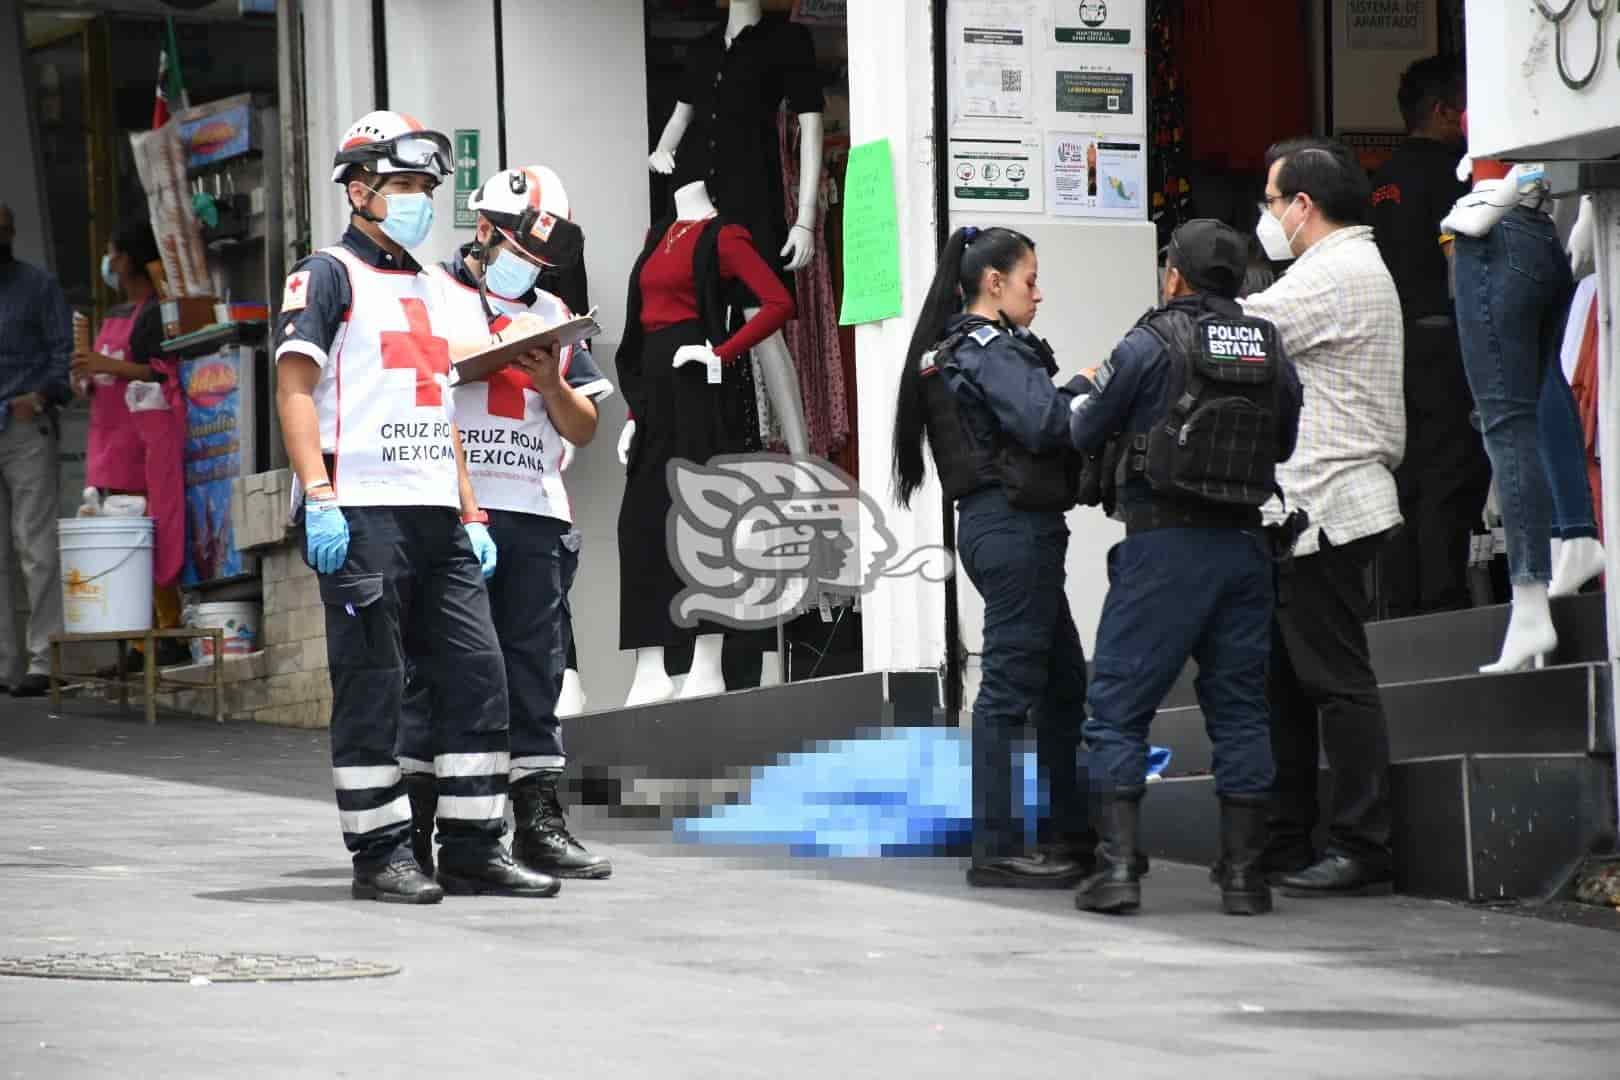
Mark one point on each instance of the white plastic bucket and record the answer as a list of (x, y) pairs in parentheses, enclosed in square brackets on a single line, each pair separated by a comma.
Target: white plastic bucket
[(239, 620), (106, 574)]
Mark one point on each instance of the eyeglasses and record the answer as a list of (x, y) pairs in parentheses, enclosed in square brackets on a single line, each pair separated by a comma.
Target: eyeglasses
[(1266, 201), (425, 151)]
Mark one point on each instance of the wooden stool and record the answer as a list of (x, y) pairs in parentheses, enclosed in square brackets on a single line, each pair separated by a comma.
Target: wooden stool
[(153, 680)]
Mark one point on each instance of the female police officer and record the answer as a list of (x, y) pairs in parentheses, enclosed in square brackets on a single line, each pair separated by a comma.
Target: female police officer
[(980, 385)]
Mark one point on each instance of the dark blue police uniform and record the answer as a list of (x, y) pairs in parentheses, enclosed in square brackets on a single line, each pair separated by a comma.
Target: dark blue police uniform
[(1187, 580), (1033, 666)]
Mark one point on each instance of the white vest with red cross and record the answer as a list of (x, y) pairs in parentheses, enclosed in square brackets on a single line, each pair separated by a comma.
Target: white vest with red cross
[(514, 453), (382, 397)]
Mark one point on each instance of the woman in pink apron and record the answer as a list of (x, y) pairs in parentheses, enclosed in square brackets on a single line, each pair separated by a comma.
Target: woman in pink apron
[(138, 415)]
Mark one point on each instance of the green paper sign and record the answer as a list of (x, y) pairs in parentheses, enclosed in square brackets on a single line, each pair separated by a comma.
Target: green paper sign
[(871, 236), (466, 176)]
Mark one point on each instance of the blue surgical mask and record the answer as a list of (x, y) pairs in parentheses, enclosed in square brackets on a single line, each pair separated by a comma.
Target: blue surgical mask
[(510, 276), (409, 219), (107, 274)]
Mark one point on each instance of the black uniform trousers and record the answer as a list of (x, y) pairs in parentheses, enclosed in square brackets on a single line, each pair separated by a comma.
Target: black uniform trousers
[(1325, 700), (410, 595), (1033, 671), (528, 600), (1442, 481)]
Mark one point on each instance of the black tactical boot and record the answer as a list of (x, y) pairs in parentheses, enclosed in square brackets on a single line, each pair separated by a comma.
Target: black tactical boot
[(542, 840), (400, 881), (465, 872), (1243, 840), (1046, 869), (424, 795), (1116, 886)]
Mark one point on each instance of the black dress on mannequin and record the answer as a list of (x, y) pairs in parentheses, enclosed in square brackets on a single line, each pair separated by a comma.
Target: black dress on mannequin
[(731, 141)]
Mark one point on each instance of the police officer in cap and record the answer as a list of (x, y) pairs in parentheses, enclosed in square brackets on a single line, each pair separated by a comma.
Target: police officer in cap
[(1188, 418), (979, 385)]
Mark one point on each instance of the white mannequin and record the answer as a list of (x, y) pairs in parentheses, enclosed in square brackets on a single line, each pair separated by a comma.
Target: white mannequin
[(651, 682), (775, 362), (1530, 633)]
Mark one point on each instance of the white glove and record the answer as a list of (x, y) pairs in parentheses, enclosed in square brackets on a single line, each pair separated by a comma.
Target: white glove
[(703, 354), (625, 436), (1581, 238), (1478, 212)]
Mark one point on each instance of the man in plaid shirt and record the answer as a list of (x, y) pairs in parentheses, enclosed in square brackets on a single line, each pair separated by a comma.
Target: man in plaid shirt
[(1340, 320)]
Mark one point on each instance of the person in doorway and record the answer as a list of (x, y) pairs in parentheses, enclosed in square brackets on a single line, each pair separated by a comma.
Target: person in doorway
[(1339, 318), (138, 421), (979, 385), (36, 348), (515, 425), (1445, 475), (362, 363), (1193, 576)]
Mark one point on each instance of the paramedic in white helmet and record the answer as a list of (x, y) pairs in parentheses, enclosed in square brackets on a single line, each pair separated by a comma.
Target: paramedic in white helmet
[(392, 527), (517, 426)]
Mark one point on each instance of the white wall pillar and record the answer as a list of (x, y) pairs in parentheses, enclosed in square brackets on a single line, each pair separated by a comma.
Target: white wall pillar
[(338, 91)]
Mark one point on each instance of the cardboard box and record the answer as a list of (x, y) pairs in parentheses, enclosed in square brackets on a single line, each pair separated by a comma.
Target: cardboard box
[(187, 315)]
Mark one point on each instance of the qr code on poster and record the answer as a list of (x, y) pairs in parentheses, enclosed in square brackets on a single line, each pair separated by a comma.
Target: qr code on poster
[(1012, 80)]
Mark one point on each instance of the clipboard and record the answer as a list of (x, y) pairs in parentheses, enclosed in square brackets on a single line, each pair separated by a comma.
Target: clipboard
[(486, 362)]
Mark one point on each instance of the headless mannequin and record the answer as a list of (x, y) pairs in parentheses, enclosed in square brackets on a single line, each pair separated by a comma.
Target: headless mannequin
[(775, 362), (1530, 634), (651, 683)]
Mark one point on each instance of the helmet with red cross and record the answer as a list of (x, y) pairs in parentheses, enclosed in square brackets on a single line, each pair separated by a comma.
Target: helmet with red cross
[(392, 142), (529, 208)]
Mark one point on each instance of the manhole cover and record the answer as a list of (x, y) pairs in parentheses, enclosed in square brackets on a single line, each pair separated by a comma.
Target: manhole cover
[(192, 966)]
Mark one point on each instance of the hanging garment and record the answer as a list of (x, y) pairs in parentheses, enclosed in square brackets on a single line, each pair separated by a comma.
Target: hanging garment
[(1580, 360)]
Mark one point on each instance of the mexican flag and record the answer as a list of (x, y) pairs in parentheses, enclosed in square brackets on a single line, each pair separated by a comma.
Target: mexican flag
[(170, 86)]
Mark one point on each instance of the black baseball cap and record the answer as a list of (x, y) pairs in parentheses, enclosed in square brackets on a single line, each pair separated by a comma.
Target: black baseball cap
[(1211, 255)]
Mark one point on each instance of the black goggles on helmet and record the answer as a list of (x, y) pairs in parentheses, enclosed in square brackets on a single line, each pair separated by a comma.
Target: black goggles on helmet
[(553, 240), (414, 151)]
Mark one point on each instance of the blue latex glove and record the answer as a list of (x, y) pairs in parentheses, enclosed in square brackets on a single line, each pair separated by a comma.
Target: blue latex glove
[(483, 546), (326, 535)]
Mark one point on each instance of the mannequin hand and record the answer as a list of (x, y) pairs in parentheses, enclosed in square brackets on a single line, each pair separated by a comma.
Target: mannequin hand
[(1581, 260), (483, 546), (661, 162), (1477, 213), (703, 354), (625, 437), (326, 535), (800, 247)]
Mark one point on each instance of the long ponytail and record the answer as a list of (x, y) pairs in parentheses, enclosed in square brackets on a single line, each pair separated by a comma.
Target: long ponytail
[(968, 254)]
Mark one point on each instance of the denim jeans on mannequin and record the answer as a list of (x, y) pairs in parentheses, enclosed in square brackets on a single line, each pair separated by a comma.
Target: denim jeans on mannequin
[(1513, 291), (1563, 455)]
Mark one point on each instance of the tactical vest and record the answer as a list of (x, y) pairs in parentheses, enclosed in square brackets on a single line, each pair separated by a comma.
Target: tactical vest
[(1040, 482), (1217, 440)]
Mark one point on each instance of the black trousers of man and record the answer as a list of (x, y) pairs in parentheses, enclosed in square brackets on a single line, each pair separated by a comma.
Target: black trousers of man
[(1324, 699), (1442, 481), (410, 594)]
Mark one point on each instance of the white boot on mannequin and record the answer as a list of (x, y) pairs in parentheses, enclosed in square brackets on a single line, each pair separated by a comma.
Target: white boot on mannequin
[(1578, 561), (1530, 634), (770, 669), (572, 700), (651, 682), (705, 678)]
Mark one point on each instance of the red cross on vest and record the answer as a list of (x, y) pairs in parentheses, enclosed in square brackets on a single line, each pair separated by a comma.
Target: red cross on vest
[(418, 349), (506, 388)]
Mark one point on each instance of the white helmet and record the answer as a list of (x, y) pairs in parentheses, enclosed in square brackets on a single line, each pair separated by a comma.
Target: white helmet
[(392, 142), (529, 207)]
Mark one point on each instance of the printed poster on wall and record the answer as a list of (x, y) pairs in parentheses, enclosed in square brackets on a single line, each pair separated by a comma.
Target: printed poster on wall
[(1096, 91), (990, 61), (1097, 175), (213, 458), (1003, 175), (1387, 24), (1098, 22)]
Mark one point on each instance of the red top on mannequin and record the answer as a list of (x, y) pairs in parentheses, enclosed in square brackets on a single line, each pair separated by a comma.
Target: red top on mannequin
[(669, 296)]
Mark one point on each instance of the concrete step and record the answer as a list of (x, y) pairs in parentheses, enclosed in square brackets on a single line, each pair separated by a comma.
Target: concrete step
[(1467, 826), (1556, 710)]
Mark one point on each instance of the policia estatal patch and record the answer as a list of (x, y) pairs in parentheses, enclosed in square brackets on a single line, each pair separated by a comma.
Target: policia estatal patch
[(1236, 351)]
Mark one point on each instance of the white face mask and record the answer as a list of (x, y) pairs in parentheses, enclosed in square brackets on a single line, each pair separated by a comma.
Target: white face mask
[(1278, 244)]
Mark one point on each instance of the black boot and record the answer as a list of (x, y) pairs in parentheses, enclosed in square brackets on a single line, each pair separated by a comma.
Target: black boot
[(1243, 841), (1046, 869), (542, 840), (400, 881), (1116, 886), (465, 872), (423, 791)]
